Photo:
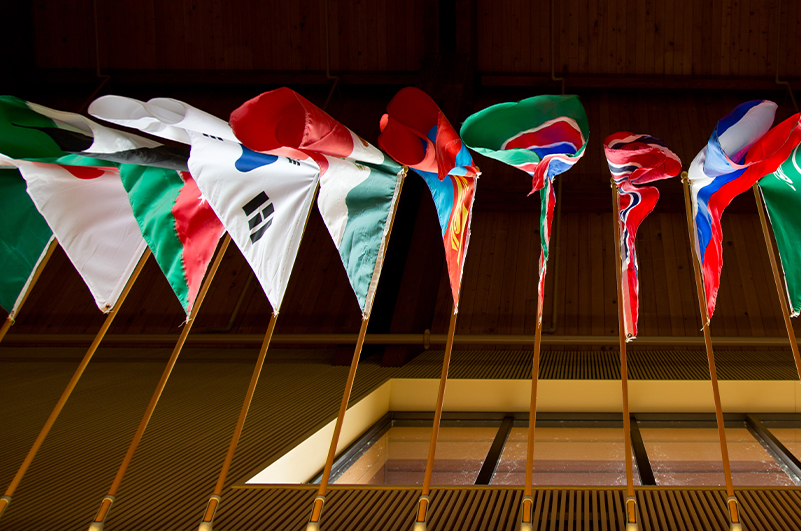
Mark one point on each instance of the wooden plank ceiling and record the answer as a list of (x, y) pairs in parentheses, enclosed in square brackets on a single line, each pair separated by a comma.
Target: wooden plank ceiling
[(591, 37)]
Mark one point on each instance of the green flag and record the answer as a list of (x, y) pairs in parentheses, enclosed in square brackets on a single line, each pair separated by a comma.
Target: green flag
[(781, 191), (24, 236)]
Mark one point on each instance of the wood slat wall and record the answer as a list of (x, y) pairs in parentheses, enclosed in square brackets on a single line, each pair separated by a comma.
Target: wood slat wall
[(174, 470)]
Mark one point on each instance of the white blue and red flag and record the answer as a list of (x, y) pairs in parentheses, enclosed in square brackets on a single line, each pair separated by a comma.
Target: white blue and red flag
[(741, 150), (635, 160), (416, 133)]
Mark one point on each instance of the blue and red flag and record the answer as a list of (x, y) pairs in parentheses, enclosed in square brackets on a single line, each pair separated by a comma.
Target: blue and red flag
[(635, 160), (417, 134), (741, 150)]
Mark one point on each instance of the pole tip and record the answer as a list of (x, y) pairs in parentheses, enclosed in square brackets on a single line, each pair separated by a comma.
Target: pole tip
[(419, 526), (205, 526), (526, 526), (313, 526), (736, 526), (96, 526), (632, 526)]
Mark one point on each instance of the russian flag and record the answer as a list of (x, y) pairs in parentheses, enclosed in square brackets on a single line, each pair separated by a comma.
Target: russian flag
[(741, 150)]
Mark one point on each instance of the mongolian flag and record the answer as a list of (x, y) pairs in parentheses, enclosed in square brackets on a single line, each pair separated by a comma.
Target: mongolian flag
[(359, 184), (263, 200), (635, 160), (417, 134), (741, 150), (781, 191), (543, 136)]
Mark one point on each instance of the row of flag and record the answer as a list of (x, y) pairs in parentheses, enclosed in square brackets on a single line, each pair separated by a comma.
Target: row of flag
[(105, 194)]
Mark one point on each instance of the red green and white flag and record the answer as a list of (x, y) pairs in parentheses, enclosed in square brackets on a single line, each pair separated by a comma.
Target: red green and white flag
[(24, 238), (88, 210), (263, 200), (543, 136)]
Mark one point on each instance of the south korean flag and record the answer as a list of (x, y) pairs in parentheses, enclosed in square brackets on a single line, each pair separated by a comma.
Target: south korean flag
[(263, 201)]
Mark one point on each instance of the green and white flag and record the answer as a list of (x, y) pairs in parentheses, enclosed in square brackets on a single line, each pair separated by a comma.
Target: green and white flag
[(781, 191), (24, 238)]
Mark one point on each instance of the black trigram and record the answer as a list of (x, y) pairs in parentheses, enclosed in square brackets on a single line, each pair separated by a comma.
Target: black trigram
[(212, 136), (293, 161), (259, 211)]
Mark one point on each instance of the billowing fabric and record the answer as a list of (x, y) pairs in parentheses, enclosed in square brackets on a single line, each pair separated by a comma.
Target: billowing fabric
[(263, 200), (741, 150), (24, 238), (543, 136), (781, 191), (359, 184), (87, 209), (635, 160), (416, 133), (178, 225)]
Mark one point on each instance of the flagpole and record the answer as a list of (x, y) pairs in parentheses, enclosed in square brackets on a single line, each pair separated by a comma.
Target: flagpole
[(528, 501), (216, 497), (778, 279), (9, 322), (731, 500), (319, 500), (424, 501), (5, 500), (207, 523), (99, 521), (631, 501)]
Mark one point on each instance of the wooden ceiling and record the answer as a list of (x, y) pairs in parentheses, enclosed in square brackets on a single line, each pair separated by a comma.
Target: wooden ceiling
[(622, 38)]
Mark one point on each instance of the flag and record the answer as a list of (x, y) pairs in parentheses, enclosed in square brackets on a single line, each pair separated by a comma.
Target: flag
[(24, 238), (359, 184), (263, 200), (782, 196), (29, 131), (87, 209), (741, 150), (635, 160), (416, 133), (543, 136), (178, 225), (181, 232)]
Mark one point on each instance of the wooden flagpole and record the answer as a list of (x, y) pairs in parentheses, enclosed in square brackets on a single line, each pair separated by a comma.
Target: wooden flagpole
[(528, 502), (319, 500), (5, 500), (207, 523), (9, 322), (215, 499), (777, 277), (731, 500), (424, 501), (98, 522), (631, 501)]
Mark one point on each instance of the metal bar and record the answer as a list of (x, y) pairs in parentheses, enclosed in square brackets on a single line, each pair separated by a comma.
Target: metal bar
[(495, 451), (386, 339), (641, 454), (342, 462), (788, 459)]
